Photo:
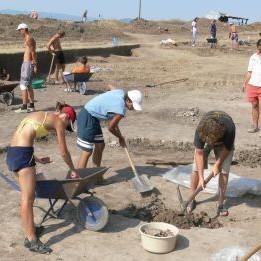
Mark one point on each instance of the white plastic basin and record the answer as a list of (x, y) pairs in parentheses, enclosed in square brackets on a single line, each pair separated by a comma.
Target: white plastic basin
[(158, 244)]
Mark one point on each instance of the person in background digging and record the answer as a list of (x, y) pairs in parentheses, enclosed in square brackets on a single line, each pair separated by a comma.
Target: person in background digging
[(109, 106), (21, 160), (29, 67), (252, 86), (194, 31), (4, 75), (215, 131), (233, 35), (55, 48), (213, 29), (84, 16)]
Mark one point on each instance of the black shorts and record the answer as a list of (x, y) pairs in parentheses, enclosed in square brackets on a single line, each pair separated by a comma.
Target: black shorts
[(19, 158), (59, 57)]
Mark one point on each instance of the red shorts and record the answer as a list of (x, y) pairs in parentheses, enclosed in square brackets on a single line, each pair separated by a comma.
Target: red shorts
[(253, 93)]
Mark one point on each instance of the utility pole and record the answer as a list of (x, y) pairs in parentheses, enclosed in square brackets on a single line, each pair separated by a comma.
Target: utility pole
[(139, 9)]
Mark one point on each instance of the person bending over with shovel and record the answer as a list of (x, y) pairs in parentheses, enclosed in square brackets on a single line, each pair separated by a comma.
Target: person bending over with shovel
[(55, 48), (109, 106), (21, 160), (216, 131)]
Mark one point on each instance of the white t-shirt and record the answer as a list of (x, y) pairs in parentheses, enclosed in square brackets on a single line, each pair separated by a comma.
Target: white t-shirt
[(194, 26), (254, 67)]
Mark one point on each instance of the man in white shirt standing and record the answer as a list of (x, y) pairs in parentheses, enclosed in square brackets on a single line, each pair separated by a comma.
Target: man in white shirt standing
[(252, 86), (194, 31)]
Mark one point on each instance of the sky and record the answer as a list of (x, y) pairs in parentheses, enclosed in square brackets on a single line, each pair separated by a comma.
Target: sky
[(150, 9)]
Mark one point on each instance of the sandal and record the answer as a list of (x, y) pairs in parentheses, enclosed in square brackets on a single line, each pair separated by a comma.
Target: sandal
[(222, 211), (191, 206)]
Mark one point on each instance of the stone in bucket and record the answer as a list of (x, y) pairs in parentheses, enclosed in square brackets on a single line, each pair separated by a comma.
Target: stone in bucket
[(158, 237)]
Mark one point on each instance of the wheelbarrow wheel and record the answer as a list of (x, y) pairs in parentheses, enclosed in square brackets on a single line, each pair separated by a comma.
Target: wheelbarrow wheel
[(92, 213), (8, 98)]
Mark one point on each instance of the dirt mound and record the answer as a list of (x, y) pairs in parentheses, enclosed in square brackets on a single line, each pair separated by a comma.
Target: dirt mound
[(249, 158), (156, 211), (145, 144), (43, 29)]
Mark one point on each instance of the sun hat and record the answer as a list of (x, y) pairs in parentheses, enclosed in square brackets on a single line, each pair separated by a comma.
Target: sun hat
[(22, 26), (72, 115), (136, 98)]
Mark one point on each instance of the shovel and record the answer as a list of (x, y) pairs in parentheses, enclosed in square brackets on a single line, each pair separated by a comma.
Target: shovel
[(184, 204), (140, 183), (174, 81), (50, 70)]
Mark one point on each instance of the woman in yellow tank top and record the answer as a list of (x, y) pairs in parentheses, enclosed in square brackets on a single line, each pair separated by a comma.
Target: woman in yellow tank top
[(22, 161)]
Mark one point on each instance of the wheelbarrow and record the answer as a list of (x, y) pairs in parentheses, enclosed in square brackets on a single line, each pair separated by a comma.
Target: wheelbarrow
[(7, 91), (212, 42), (91, 212)]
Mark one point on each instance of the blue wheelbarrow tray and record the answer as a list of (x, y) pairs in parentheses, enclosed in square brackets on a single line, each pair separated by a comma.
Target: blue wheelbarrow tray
[(92, 213), (58, 186)]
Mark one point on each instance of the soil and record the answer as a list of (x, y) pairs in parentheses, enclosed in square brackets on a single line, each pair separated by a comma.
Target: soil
[(156, 211), (164, 131)]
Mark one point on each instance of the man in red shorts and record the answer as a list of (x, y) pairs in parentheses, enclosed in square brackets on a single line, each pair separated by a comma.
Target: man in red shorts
[(252, 86)]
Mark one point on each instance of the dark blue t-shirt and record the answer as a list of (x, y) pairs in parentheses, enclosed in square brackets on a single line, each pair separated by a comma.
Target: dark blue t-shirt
[(229, 137)]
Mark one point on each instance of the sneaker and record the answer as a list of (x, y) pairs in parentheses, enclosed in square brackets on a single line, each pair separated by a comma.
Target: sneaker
[(253, 129), (30, 109), (38, 231), (21, 110), (39, 247)]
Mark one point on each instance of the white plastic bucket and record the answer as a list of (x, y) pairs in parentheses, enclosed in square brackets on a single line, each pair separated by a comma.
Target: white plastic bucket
[(158, 244)]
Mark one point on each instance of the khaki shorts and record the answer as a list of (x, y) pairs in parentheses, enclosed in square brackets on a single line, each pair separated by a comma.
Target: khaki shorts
[(225, 167)]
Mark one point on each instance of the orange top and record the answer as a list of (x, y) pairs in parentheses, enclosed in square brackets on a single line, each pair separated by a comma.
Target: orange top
[(34, 15), (81, 69)]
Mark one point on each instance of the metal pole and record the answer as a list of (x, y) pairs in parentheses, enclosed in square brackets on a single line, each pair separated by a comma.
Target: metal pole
[(139, 9)]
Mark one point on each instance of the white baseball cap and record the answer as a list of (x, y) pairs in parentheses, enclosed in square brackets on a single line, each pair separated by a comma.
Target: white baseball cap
[(136, 98), (22, 26)]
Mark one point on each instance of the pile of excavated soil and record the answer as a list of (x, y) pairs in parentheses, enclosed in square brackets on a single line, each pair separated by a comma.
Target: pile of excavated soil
[(249, 158), (156, 211)]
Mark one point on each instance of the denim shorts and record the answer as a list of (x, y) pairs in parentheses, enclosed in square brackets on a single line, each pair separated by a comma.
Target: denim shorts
[(26, 75), (19, 158), (89, 131)]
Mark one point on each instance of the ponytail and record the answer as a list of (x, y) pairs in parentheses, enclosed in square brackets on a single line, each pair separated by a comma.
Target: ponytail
[(59, 106)]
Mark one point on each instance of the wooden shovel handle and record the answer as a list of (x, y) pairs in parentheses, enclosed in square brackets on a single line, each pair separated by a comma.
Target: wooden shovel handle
[(51, 66), (251, 252), (131, 163), (194, 194)]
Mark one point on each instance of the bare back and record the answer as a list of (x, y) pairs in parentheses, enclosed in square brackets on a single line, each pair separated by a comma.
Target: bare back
[(26, 132), (54, 43), (233, 28)]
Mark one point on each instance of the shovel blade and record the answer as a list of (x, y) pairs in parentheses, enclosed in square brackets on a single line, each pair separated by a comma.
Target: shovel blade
[(142, 184)]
